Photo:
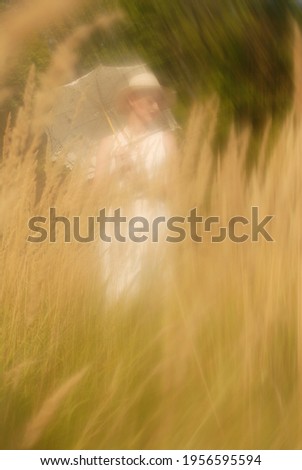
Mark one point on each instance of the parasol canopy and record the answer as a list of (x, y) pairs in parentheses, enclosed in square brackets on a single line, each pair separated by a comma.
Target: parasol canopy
[(84, 112)]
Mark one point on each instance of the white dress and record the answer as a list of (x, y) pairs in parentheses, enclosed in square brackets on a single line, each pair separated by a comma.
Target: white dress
[(137, 169)]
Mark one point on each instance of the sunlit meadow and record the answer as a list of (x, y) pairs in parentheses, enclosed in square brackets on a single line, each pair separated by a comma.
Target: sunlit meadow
[(208, 353)]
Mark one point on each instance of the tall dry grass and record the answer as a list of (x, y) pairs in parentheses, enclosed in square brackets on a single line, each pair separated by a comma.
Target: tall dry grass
[(207, 355)]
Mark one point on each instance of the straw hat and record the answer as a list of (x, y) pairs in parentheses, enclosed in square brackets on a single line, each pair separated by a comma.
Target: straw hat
[(143, 81)]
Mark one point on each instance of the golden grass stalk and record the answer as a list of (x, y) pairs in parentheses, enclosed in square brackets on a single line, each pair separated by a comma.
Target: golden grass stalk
[(41, 420)]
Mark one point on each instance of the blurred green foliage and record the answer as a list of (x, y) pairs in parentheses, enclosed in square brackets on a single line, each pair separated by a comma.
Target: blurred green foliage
[(239, 49)]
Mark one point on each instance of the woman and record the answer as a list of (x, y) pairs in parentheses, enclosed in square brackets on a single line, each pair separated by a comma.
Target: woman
[(136, 161)]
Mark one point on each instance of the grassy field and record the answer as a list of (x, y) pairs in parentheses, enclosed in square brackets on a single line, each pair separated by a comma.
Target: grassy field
[(206, 355)]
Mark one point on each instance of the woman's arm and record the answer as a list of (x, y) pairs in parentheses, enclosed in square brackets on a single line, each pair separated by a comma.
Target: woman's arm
[(170, 144), (102, 166)]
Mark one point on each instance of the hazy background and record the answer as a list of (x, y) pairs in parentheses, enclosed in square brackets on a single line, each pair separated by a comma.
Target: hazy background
[(208, 353)]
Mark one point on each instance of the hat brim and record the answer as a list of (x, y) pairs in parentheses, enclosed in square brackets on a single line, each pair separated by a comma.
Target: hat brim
[(167, 96)]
